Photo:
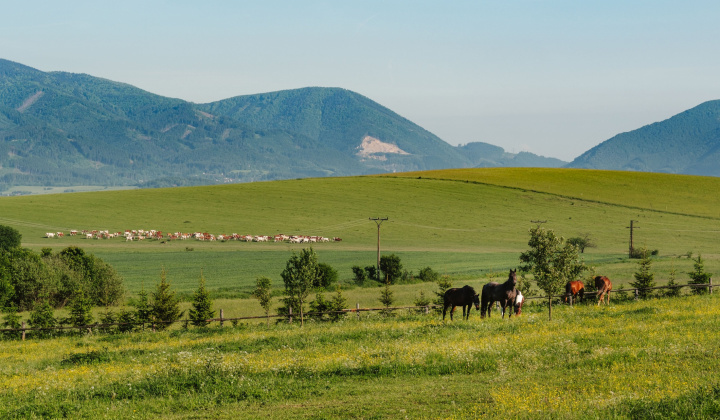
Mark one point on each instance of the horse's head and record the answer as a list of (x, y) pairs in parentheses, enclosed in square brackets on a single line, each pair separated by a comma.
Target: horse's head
[(476, 301), (512, 277)]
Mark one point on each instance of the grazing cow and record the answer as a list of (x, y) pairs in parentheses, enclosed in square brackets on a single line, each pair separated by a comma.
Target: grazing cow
[(603, 286), (49, 235)]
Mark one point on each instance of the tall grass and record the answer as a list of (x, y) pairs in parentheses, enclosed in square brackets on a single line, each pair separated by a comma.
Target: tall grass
[(634, 359)]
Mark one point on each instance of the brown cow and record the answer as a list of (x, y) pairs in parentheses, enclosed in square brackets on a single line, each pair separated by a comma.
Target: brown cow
[(603, 286)]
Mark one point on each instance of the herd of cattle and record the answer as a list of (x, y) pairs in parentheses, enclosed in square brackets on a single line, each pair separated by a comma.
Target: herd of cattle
[(141, 234)]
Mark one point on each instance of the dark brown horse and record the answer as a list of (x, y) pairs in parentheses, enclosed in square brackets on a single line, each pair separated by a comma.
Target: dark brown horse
[(504, 293), (464, 296), (573, 289), (603, 286)]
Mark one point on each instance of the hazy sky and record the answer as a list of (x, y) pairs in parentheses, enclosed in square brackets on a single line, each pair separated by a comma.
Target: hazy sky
[(551, 77)]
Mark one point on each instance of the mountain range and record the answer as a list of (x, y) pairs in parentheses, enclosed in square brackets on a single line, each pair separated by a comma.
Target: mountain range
[(66, 129)]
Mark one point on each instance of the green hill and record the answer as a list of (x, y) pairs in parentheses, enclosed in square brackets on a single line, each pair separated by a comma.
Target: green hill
[(465, 223), (687, 143)]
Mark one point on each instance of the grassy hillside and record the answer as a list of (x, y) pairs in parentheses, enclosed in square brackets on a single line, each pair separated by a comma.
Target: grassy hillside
[(647, 359), (464, 229)]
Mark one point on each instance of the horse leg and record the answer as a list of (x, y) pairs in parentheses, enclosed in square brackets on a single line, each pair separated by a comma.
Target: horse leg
[(444, 311), (452, 311)]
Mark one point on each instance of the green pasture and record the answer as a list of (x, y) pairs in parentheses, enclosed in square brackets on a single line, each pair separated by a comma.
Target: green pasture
[(466, 224), (653, 358)]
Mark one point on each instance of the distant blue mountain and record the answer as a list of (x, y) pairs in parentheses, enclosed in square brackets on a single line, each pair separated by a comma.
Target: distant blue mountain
[(687, 143), (64, 129)]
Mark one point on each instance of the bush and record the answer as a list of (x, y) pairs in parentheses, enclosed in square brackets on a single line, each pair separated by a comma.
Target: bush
[(43, 316), (428, 275), (327, 276), (644, 279), (9, 238), (359, 275), (391, 268)]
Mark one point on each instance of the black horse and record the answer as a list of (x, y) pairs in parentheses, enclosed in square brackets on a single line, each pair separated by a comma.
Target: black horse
[(505, 293), (464, 296)]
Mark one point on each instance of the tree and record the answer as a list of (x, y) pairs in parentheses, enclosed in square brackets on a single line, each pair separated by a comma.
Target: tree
[(43, 316), (9, 238), (300, 274), (80, 310), (644, 279), (391, 267), (421, 300), (11, 320), (165, 306), (201, 309), (327, 276), (699, 276), (444, 283), (337, 304), (371, 272), (263, 294), (386, 297), (552, 262), (143, 311), (672, 291), (582, 242)]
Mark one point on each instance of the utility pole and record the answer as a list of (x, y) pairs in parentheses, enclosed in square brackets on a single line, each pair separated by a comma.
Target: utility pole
[(378, 221), (631, 227)]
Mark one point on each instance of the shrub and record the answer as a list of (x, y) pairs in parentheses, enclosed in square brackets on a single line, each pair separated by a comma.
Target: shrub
[(359, 275), (428, 275), (263, 294), (327, 276), (644, 279), (9, 238), (80, 314), (391, 268), (43, 316)]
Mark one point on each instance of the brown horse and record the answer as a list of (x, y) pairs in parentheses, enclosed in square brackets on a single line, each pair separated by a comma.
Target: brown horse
[(603, 286), (464, 296), (505, 293), (574, 288)]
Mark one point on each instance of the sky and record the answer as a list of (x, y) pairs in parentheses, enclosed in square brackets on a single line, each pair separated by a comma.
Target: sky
[(554, 78)]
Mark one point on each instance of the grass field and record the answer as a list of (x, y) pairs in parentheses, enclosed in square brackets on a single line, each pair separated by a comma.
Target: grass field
[(463, 223), (630, 360)]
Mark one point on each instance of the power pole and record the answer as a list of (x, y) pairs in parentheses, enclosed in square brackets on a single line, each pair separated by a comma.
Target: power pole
[(378, 221), (631, 227)]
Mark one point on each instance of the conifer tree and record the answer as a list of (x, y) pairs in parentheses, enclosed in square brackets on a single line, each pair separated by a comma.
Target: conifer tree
[(201, 309), (263, 294), (11, 320), (644, 279), (165, 307), (386, 297), (337, 304), (80, 310), (43, 316), (699, 276), (143, 311)]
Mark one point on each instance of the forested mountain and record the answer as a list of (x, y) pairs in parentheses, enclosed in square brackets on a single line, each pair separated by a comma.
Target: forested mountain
[(687, 143), (64, 129)]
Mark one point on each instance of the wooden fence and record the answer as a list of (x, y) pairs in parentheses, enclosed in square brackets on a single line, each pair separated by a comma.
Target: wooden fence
[(357, 310)]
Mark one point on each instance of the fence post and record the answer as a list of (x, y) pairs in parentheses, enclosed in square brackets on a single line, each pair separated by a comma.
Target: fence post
[(290, 315), (221, 318), (636, 294), (23, 331), (710, 288), (357, 310), (427, 309)]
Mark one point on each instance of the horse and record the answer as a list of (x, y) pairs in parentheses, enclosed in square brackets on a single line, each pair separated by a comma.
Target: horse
[(603, 286), (519, 300), (464, 296), (505, 293), (574, 288)]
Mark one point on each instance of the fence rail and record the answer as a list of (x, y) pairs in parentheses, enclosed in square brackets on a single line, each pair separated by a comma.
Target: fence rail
[(289, 316)]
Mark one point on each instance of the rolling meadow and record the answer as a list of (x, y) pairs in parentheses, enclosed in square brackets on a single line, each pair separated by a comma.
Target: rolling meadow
[(646, 359)]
